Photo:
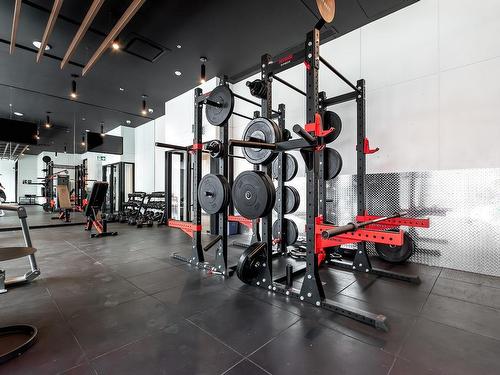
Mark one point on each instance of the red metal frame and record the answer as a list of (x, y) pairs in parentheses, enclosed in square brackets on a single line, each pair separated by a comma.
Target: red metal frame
[(186, 226), (366, 147), (317, 127), (242, 220), (396, 222), (367, 234)]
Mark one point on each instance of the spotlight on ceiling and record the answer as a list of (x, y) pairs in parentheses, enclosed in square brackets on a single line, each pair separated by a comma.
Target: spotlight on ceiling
[(19, 114), (73, 86), (128, 122), (203, 75), (102, 129), (178, 73), (115, 45), (144, 110), (48, 125), (37, 136), (38, 44), (83, 141), (179, 46), (122, 89)]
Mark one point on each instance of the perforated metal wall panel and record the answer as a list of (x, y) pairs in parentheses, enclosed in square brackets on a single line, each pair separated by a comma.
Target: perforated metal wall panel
[(463, 207)]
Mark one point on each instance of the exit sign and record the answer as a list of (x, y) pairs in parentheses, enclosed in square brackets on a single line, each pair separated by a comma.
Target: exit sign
[(101, 158)]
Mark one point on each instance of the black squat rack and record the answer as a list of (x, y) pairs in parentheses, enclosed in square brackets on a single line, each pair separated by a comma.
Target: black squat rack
[(255, 266)]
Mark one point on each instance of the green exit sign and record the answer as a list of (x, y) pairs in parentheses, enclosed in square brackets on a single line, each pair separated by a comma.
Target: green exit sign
[(101, 158)]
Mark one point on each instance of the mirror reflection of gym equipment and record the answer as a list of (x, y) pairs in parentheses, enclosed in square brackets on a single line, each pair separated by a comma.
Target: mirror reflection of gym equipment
[(121, 179)]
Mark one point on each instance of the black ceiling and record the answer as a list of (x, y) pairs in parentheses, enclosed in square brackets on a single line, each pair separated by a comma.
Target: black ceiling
[(232, 34)]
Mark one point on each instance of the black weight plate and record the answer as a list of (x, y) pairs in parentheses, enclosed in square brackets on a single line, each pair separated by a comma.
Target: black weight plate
[(253, 194), (213, 193), (46, 159), (332, 120), (292, 231), (291, 165), (292, 200), (333, 163), (219, 115), (261, 130), (396, 254), (251, 261)]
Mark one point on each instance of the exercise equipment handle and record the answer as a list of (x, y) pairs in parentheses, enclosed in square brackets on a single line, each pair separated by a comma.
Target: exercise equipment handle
[(262, 145), (299, 130), (350, 227), (174, 147)]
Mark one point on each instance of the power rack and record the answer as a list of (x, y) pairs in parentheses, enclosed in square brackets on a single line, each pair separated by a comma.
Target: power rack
[(320, 235)]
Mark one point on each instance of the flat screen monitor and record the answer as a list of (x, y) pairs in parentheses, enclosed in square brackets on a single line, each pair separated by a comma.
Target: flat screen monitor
[(18, 131), (108, 144)]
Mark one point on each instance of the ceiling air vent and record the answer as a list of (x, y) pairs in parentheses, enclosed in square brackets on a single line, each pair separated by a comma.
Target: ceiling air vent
[(144, 49)]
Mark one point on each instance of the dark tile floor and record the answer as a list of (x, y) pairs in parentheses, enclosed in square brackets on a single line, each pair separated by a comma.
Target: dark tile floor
[(122, 305)]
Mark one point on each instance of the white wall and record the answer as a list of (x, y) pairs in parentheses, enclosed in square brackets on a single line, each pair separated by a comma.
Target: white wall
[(145, 157), (8, 178), (431, 87), (28, 170)]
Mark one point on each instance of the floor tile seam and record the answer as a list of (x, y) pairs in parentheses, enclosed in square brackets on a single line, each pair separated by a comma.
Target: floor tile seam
[(390, 308), (259, 366), (232, 367), (118, 348), (470, 282), (394, 359), (68, 325), (460, 329), (214, 337), (430, 292), (273, 338), (82, 251), (140, 274), (464, 300)]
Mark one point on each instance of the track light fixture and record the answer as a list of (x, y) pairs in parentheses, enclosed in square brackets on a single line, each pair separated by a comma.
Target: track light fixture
[(144, 110), (37, 136), (83, 141), (47, 121), (65, 148), (203, 75), (102, 129), (116, 45), (73, 86)]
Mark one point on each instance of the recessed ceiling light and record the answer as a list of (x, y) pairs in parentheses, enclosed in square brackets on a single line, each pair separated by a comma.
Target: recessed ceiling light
[(178, 73), (179, 46), (122, 89), (128, 122), (10, 104), (19, 114), (150, 110), (83, 118), (115, 45), (87, 130), (38, 44), (27, 148)]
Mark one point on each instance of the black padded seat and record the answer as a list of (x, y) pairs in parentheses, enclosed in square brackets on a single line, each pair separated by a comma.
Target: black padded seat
[(9, 253)]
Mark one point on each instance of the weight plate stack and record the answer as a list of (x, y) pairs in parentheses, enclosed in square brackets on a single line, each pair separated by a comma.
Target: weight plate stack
[(332, 120), (292, 200), (261, 130), (253, 194), (218, 115), (396, 254), (213, 193), (292, 231), (291, 165), (251, 261), (333, 163)]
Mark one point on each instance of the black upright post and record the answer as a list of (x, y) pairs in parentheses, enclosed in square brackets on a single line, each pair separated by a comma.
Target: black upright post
[(168, 185), (280, 192), (361, 260), (197, 253), (265, 277), (221, 255), (321, 174), (312, 289)]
